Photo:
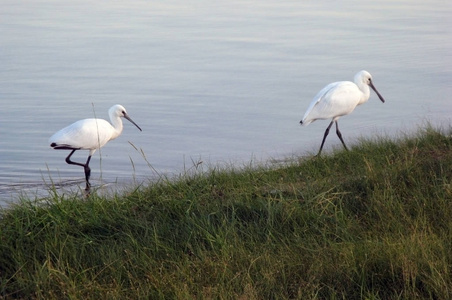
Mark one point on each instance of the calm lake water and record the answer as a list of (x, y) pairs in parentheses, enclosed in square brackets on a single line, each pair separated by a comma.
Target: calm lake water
[(213, 81)]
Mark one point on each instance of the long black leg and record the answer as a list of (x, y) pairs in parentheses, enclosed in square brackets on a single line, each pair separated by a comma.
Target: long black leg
[(339, 134), (85, 166), (69, 161), (87, 173), (324, 137)]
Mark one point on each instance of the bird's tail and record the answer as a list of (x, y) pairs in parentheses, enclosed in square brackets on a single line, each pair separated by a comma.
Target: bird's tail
[(304, 123)]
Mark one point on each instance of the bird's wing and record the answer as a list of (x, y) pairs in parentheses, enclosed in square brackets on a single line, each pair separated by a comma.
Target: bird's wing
[(316, 101), (84, 134), (336, 99)]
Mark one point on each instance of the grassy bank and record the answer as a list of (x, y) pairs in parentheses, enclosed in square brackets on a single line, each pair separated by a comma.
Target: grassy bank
[(374, 222)]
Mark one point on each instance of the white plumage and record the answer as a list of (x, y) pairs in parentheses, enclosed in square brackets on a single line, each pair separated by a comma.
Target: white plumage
[(90, 134), (338, 99)]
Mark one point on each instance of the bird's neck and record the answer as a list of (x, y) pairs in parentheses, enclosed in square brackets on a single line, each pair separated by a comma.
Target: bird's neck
[(117, 125), (366, 93)]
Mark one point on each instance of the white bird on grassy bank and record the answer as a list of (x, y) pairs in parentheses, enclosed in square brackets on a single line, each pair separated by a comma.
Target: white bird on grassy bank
[(338, 99)]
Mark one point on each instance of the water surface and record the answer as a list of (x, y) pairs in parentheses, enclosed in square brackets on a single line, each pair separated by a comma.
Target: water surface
[(219, 83)]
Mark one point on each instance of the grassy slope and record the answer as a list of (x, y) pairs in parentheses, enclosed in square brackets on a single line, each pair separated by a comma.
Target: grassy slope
[(373, 222)]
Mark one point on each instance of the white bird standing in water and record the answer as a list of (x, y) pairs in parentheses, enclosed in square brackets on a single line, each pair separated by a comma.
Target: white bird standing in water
[(90, 134), (338, 99)]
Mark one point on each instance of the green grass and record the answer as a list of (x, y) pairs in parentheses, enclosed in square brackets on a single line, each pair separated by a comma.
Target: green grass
[(371, 223)]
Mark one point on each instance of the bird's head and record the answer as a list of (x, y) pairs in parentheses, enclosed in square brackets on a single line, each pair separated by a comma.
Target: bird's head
[(364, 77), (119, 111)]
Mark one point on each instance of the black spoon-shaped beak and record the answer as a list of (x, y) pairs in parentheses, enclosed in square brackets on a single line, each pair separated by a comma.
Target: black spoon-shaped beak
[(126, 116), (375, 90)]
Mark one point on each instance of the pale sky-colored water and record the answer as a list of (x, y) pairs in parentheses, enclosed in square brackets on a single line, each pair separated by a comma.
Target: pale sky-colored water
[(222, 83)]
